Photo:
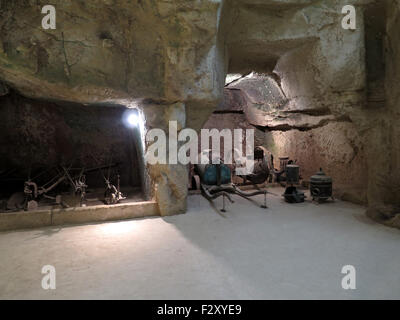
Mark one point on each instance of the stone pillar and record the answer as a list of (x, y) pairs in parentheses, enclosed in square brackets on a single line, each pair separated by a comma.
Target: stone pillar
[(169, 181)]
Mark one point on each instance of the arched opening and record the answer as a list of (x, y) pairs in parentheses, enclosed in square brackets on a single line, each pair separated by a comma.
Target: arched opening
[(60, 155), (289, 123)]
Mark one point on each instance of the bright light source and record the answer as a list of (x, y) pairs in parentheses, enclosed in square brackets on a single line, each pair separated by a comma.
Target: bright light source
[(133, 120)]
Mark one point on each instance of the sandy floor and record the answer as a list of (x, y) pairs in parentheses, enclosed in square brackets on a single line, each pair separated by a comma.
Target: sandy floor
[(287, 251)]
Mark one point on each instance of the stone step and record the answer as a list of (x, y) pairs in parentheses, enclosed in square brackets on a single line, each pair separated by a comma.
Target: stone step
[(76, 215)]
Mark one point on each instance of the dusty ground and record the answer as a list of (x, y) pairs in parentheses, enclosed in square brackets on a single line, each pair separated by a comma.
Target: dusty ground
[(286, 251)]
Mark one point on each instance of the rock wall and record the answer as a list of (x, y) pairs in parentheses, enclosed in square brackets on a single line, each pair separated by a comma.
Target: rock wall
[(38, 135), (315, 138), (384, 169), (393, 94), (321, 88), (230, 114), (335, 147), (138, 53), (112, 51), (169, 182)]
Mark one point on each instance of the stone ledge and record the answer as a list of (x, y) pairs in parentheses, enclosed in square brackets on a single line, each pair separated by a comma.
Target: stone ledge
[(78, 215), (24, 220)]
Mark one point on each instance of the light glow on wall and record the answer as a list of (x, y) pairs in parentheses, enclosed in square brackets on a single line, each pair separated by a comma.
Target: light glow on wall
[(131, 118)]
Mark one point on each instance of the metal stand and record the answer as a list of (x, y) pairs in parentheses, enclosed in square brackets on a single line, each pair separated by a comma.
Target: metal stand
[(264, 206), (223, 203)]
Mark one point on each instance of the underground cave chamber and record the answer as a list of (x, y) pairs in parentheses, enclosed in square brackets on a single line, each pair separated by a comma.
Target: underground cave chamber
[(313, 91), (289, 129), (60, 155)]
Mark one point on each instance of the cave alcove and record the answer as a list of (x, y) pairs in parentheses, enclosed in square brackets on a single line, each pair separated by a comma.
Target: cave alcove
[(38, 138)]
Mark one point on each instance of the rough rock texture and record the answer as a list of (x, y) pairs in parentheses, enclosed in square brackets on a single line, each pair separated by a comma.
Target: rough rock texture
[(127, 52), (335, 147), (314, 140), (233, 121), (107, 50), (322, 86), (384, 132), (266, 105), (319, 66), (37, 135), (169, 183), (310, 93)]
